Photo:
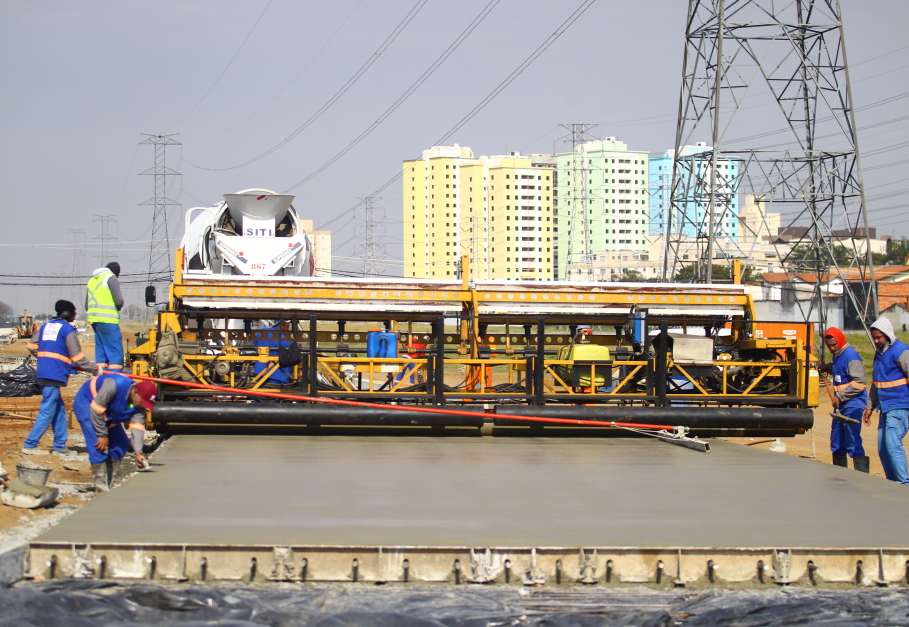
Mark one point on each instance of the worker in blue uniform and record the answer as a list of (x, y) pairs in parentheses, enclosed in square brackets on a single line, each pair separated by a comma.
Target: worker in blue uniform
[(890, 394), (104, 406), (850, 398), (56, 346)]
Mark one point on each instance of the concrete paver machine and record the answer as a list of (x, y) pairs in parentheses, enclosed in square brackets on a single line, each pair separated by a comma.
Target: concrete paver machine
[(244, 314)]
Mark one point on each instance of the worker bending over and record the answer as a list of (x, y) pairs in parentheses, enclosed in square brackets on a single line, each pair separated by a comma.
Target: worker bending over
[(103, 302), (103, 406), (890, 394), (850, 398), (56, 345)]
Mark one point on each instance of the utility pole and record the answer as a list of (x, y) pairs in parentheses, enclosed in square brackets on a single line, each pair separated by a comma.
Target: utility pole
[(372, 245), (108, 239), (811, 171), (159, 255), (578, 250)]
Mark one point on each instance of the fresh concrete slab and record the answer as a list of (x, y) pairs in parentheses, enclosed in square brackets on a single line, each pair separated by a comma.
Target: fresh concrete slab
[(502, 492)]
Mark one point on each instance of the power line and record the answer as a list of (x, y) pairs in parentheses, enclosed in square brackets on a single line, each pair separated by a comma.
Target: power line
[(343, 90), (288, 84), (564, 26), (205, 95), (410, 90)]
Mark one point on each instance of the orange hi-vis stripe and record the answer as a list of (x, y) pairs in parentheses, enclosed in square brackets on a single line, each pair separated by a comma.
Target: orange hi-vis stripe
[(93, 386), (62, 358), (840, 388), (135, 426), (891, 384)]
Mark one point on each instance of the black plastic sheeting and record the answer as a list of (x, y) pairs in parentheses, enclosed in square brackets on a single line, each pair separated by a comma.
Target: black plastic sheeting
[(21, 381), (91, 603)]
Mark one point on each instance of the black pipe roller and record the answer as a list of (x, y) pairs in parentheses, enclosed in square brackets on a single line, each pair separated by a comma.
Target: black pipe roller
[(302, 414), (692, 417)]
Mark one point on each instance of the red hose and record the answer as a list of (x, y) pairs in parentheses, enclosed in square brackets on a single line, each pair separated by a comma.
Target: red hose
[(428, 410)]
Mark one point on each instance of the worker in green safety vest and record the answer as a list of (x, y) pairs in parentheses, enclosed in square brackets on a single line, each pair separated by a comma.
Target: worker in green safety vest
[(103, 302)]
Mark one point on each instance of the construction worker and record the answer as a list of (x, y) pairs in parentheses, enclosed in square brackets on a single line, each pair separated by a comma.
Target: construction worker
[(103, 406), (57, 348), (103, 302), (850, 398), (890, 394)]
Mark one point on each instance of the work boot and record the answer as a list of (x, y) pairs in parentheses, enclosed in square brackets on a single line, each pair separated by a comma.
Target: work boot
[(114, 469), (841, 460), (101, 477), (861, 464)]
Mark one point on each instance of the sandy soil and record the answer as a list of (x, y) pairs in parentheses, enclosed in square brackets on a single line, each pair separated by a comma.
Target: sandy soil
[(801, 445), (70, 474)]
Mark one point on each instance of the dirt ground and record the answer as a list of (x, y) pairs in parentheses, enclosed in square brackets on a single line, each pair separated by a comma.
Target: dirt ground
[(72, 474), (815, 444)]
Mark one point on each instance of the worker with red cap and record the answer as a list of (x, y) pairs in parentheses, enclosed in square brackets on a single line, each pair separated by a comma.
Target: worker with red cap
[(103, 406), (850, 397)]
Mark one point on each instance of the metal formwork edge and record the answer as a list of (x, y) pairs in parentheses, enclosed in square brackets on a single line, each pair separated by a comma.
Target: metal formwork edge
[(536, 566)]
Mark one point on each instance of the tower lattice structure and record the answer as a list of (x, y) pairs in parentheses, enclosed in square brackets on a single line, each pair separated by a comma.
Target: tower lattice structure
[(371, 244), (577, 240), (159, 256), (768, 83)]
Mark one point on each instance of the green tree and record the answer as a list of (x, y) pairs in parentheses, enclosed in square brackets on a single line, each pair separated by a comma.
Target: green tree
[(807, 258), (722, 273), (630, 276), (897, 252)]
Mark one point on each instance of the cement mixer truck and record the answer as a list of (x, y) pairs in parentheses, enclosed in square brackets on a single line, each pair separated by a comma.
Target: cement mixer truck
[(254, 232)]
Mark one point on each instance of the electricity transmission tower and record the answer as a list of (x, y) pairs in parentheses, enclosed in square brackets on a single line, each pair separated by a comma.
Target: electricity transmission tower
[(372, 244), (108, 239), (76, 268), (159, 256), (578, 238), (768, 83)]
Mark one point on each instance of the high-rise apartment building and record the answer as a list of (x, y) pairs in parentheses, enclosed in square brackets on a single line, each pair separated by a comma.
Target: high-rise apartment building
[(321, 248), (603, 204), (496, 210), (690, 219), (756, 224)]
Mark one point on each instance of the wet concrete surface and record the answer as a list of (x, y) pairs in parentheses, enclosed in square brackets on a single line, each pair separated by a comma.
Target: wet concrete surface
[(497, 492)]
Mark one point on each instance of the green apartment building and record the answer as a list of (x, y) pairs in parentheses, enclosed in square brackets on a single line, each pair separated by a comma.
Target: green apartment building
[(602, 205)]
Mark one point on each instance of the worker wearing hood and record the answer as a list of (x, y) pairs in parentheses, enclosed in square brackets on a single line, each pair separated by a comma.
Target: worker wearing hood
[(889, 393)]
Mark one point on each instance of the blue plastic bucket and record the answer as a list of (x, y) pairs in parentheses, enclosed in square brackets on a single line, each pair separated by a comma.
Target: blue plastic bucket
[(381, 344)]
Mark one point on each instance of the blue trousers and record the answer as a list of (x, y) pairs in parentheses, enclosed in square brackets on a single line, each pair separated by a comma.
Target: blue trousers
[(845, 437), (118, 441), (108, 345), (51, 414), (891, 430)]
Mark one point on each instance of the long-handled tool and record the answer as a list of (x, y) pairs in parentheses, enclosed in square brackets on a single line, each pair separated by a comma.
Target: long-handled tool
[(666, 433), (835, 414)]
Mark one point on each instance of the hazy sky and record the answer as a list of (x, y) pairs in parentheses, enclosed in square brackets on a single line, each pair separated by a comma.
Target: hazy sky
[(82, 80)]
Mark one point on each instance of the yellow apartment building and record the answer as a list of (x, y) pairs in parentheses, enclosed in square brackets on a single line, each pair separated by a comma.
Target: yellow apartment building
[(496, 210)]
